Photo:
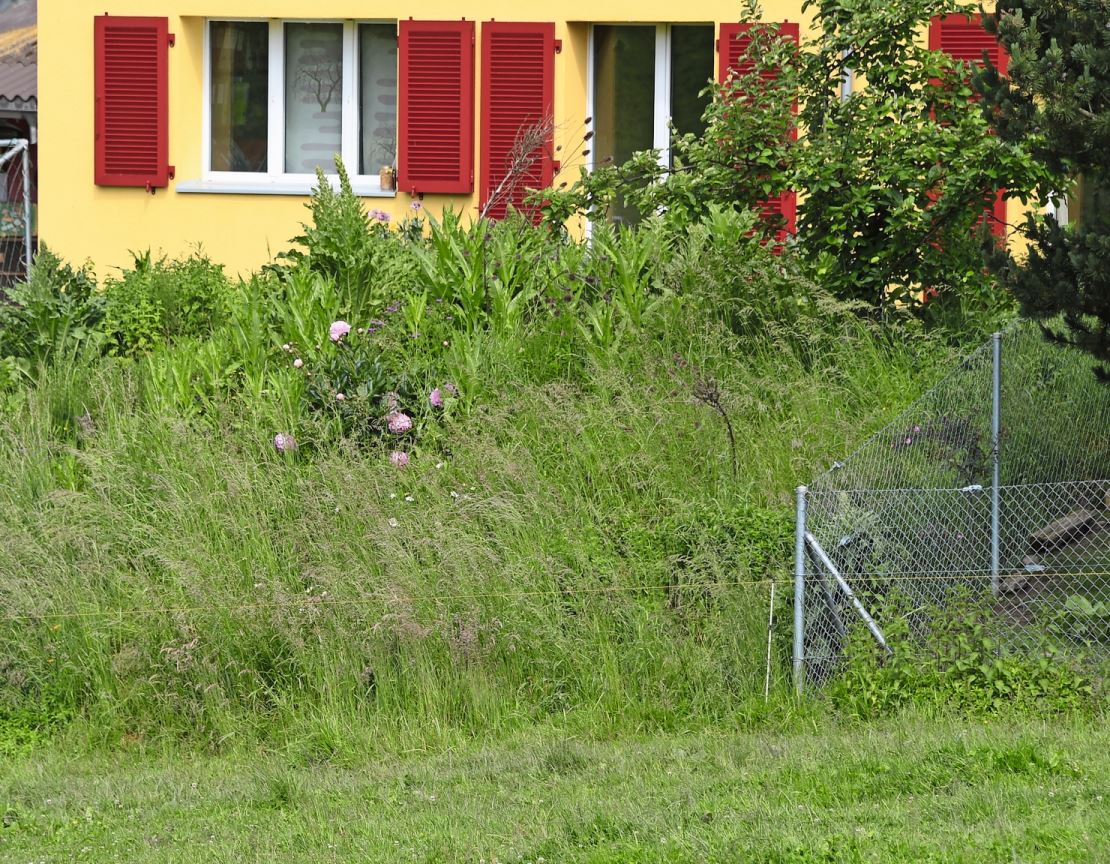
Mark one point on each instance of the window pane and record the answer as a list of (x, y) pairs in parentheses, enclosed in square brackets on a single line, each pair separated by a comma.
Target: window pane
[(313, 96), (624, 97), (377, 52), (239, 97), (691, 69)]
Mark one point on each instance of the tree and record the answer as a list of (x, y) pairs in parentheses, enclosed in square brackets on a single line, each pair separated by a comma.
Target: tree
[(1055, 101), (892, 180)]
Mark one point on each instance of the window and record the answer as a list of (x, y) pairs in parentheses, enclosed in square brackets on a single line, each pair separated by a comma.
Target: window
[(284, 97), (237, 95), (646, 78)]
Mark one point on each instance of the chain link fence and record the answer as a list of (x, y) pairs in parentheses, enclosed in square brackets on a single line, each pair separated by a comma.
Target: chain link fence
[(995, 486)]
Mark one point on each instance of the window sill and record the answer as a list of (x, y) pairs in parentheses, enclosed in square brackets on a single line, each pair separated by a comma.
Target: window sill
[(275, 187)]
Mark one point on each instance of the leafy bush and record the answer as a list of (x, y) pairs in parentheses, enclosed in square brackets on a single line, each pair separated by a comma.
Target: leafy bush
[(160, 301), (369, 264), (57, 312), (957, 662)]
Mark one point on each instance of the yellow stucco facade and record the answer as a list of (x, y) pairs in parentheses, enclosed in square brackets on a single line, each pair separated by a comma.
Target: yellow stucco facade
[(81, 220)]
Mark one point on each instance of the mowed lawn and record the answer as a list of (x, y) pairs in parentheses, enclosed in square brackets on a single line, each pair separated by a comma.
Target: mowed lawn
[(906, 789)]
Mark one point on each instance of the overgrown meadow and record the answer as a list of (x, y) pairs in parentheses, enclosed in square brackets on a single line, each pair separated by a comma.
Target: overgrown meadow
[(421, 480)]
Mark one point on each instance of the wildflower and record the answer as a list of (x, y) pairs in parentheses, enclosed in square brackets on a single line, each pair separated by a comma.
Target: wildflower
[(338, 330), (298, 363), (436, 397), (439, 464), (382, 216), (285, 347), (451, 388), (416, 205), (339, 397), (409, 499), (285, 443), (399, 423), (399, 459), (393, 307)]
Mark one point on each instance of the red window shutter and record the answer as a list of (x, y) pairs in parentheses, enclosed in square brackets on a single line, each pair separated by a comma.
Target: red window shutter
[(518, 73), (131, 60), (733, 60), (436, 111), (962, 37), (733, 48)]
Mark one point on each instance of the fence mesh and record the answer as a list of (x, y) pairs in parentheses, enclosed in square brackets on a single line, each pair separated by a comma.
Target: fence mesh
[(906, 520), (16, 212)]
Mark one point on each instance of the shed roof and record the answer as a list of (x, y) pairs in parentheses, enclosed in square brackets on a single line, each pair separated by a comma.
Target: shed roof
[(19, 57)]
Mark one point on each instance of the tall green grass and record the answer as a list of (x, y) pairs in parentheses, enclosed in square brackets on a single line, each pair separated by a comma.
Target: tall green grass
[(575, 544)]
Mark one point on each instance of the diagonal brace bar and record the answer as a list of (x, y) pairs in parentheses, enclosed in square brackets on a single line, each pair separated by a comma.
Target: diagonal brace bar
[(827, 563)]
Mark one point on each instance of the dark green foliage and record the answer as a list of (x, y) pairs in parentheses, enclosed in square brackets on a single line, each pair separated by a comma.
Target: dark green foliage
[(892, 180), (957, 661), (356, 250), (56, 313), (159, 301), (1055, 102)]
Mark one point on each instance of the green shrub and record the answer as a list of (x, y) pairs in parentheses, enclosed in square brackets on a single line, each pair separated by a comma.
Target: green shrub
[(57, 312), (957, 662), (159, 301)]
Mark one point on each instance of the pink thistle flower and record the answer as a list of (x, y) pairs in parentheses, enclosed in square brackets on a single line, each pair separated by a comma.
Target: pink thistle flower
[(298, 363), (339, 397), (399, 423), (436, 398), (284, 443), (338, 330), (399, 459)]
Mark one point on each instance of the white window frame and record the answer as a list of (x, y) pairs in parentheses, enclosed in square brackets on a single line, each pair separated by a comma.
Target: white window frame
[(275, 180)]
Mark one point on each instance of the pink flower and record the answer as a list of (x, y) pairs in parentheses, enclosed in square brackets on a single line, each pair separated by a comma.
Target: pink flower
[(298, 363), (436, 398), (284, 443), (399, 423), (338, 330), (416, 205), (339, 397), (399, 459)]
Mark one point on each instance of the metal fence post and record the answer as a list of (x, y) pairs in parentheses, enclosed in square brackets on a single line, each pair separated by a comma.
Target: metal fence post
[(799, 590), (996, 428), (27, 228)]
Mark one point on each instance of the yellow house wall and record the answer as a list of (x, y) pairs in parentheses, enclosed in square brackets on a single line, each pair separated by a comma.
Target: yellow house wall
[(82, 221)]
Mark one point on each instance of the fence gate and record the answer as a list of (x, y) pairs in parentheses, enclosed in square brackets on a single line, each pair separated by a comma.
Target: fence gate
[(17, 214), (995, 485)]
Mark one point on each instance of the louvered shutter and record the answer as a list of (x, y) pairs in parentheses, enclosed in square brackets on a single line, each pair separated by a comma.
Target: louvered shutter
[(733, 59), (518, 72), (962, 37), (436, 111), (132, 102)]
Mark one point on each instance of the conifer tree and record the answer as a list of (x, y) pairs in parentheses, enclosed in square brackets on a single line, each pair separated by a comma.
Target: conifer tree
[(1055, 102)]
